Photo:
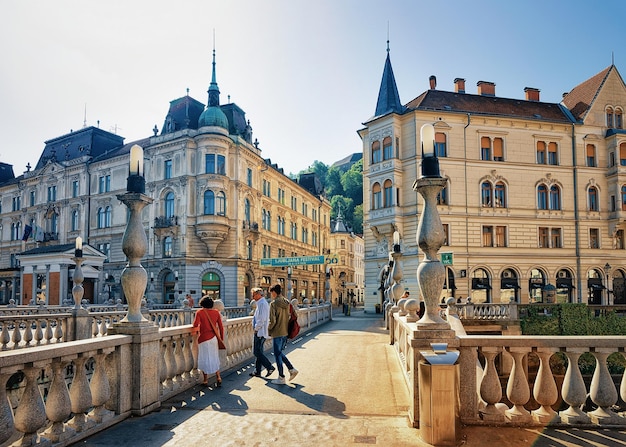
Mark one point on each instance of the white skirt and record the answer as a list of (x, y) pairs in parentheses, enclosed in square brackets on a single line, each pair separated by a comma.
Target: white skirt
[(209, 356)]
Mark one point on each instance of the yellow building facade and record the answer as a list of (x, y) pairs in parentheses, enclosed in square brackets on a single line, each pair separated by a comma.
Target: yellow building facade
[(535, 201)]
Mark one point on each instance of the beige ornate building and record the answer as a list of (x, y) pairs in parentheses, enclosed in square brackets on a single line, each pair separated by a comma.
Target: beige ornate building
[(535, 202), (347, 263), (219, 207)]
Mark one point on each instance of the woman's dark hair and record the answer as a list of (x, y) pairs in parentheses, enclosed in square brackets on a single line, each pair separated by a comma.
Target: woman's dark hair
[(276, 288), (207, 302)]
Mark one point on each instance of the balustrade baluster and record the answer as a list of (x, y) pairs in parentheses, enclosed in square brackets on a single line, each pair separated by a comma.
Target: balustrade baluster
[(30, 414), (80, 394), (162, 366), (48, 332), (27, 338), (170, 364), (490, 388), (545, 391), (602, 391), (5, 338), (574, 391), (38, 332), (17, 334), (95, 328), (100, 390), (180, 361), (187, 358), (517, 389), (58, 331), (58, 405), (6, 413), (103, 327)]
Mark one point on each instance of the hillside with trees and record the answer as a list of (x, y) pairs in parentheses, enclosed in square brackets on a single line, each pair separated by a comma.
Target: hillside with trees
[(344, 190)]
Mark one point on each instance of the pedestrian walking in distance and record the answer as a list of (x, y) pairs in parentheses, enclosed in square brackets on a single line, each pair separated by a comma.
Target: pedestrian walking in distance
[(260, 323), (205, 321), (278, 330)]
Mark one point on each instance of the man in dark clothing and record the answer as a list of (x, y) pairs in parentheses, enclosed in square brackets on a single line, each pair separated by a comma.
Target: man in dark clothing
[(278, 329)]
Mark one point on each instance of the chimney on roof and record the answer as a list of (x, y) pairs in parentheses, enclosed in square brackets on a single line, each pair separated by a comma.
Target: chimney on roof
[(486, 88), (532, 94), (433, 82), (459, 85)]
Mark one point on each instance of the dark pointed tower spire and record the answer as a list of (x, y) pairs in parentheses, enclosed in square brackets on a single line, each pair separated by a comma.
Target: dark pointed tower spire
[(388, 97), (214, 91)]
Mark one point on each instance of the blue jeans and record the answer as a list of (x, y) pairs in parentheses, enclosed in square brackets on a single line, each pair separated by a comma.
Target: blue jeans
[(279, 344), (261, 359)]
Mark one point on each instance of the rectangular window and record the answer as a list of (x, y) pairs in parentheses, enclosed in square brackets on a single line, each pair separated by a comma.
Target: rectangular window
[(501, 236), (52, 193), (104, 184), (249, 177), (446, 234), (16, 204), (440, 145), (594, 238), (378, 200), (209, 164), (294, 203), (485, 148), (498, 149), (544, 237), (487, 236), (75, 188), (619, 239), (591, 156), (552, 154), (105, 249), (556, 238), (32, 198), (167, 169)]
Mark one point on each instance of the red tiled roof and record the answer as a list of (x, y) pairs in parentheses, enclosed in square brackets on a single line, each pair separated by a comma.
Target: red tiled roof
[(579, 99), (488, 105)]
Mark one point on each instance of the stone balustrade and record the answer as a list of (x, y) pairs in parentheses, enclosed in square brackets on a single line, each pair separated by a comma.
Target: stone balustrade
[(487, 311), (59, 393), (522, 380)]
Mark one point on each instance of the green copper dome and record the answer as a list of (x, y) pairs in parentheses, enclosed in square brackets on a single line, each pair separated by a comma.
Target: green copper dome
[(213, 116)]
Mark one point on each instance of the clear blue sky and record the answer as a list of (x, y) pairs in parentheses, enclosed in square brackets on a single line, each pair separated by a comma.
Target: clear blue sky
[(307, 73)]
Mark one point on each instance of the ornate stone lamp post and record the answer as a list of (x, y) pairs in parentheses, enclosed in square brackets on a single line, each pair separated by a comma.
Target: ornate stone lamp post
[(135, 243), (78, 291), (430, 235)]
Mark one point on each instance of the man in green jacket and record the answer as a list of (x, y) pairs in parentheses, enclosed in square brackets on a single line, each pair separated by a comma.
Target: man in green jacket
[(278, 329)]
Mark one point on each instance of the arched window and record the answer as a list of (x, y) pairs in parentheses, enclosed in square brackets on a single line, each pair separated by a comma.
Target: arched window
[(169, 205), (609, 117), (618, 119), (209, 202), (499, 195), (75, 220), (101, 218), (388, 193), (167, 247), (541, 152), (441, 149), (264, 219), (221, 204), (481, 286), (376, 155), (623, 197), (269, 221), (555, 198), (592, 195), (485, 194), (387, 149), (246, 210), (377, 200), (16, 228), (542, 197)]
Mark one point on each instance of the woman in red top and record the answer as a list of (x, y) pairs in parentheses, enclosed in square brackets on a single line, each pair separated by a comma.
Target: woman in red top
[(208, 352)]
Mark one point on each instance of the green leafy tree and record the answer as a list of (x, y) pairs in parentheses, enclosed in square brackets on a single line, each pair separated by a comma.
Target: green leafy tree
[(352, 182), (333, 183), (357, 219)]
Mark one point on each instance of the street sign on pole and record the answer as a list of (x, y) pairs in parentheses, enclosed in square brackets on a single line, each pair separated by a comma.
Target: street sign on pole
[(447, 258), (293, 260)]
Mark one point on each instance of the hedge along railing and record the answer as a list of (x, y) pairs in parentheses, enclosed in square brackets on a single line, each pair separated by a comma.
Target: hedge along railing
[(38, 408), (498, 385)]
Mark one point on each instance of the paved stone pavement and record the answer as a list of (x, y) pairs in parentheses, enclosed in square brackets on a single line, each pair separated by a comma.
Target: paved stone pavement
[(349, 392)]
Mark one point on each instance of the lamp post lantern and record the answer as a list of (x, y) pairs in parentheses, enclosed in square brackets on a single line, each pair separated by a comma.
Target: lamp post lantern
[(607, 272), (430, 235)]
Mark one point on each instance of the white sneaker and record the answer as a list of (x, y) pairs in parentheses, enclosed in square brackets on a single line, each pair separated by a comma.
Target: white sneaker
[(279, 381), (293, 373)]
